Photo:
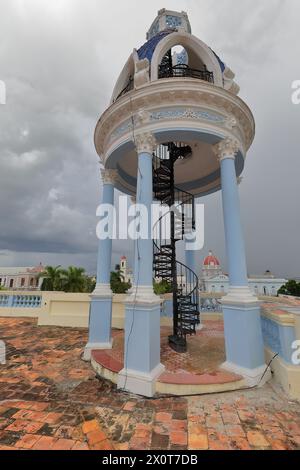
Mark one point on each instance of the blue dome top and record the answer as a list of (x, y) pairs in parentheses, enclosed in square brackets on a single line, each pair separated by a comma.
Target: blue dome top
[(147, 50)]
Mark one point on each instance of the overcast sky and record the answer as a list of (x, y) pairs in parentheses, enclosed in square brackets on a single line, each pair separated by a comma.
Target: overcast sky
[(60, 59)]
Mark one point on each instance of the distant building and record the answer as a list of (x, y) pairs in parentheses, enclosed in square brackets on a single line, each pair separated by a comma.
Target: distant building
[(125, 271), (21, 278), (214, 280)]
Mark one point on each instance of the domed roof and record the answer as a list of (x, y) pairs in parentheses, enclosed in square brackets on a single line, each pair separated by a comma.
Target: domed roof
[(167, 22), (211, 260), (147, 50)]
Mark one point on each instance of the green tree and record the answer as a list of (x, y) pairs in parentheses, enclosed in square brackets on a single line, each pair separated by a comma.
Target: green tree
[(161, 288), (290, 288), (90, 284), (73, 279), (52, 279), (117, 283)]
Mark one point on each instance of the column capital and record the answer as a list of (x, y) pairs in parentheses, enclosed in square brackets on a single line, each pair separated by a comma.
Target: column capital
[(227, 148), (145, 142), (109, 176)]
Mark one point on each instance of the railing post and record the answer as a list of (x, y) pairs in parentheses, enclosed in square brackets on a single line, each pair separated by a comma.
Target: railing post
[(10, 300)]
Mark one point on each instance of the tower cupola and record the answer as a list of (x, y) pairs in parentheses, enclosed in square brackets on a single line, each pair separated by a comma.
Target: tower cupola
[(169, 20)]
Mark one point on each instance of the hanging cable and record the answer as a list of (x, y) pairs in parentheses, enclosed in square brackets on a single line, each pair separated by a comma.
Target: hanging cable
[(137, 254)]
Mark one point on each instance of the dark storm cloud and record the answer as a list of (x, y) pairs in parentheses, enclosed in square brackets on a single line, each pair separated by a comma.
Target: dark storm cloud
[(60, 59)]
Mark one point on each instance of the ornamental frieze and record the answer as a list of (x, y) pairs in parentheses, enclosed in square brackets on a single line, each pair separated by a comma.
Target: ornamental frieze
[(167, 114)]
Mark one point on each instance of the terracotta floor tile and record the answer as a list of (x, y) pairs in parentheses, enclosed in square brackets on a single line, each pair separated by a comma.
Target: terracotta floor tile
[(89, 426), (63, 444), (50, 398), (257, 439), (95, 437), (80, 446), (27, 441), (198, 442), (178, 438), (44, 443)]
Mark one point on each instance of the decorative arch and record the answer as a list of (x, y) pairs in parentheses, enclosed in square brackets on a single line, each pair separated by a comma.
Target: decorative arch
[(127, 72), (196, 50)]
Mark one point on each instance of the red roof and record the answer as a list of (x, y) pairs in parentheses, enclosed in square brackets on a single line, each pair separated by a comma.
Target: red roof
[(211, 260)]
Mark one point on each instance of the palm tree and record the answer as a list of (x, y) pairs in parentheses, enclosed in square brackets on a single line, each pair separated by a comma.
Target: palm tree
[(51, 278), (117, 283), (73, 279), (90, 284)]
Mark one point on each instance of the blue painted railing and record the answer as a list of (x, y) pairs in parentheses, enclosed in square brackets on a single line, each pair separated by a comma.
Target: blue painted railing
[(4, 300), (278, 338), (210, 304), (21, 300), (207, 305)]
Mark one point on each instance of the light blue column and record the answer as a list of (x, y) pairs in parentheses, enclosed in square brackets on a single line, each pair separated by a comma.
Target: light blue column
[(143, 265), (105, 246), (241, 309), (232, 222), (142, 308), (100, 318), (191, 261)]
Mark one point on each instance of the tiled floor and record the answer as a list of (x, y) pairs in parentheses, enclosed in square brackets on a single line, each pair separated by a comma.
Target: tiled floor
[(50, 399), (200, 365)]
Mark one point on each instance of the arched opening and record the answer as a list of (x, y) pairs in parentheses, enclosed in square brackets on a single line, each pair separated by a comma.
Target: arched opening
[(181, 61)]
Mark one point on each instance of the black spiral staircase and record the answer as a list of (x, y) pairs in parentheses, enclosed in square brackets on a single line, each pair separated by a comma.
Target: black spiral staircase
[(178, 219)]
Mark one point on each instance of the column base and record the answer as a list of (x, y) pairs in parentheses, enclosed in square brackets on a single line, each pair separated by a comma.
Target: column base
[(243, 336), (100, 320), (142, 295), (140, 383), (252, 377), (242, 296), (142, 342), (102, 291), (94, 347)]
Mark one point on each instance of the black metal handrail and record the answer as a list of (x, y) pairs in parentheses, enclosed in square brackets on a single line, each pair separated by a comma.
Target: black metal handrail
[(188, 289), (184, 71), (177, 221)]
